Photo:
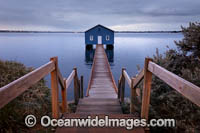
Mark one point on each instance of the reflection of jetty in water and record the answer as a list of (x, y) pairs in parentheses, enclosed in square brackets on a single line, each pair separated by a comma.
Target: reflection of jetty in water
[(89, 55)]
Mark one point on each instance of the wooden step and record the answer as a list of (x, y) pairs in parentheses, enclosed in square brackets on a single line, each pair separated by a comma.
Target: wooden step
[(103, 109), (98, 104), (97, 101), (103, 96)]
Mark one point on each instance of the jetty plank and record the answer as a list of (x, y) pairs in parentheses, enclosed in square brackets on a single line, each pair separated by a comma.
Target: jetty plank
[(101, 88), (102, 98)]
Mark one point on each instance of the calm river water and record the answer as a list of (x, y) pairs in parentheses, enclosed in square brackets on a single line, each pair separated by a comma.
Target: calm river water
[(130, 49)]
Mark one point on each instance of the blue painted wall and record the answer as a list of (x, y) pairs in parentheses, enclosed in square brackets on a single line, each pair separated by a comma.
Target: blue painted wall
[(99, 30)]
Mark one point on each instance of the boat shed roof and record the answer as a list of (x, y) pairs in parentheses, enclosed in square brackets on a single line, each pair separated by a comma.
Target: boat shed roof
[(100, 26)]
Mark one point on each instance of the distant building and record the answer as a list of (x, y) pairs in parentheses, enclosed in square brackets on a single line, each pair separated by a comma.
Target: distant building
[(99, 35)]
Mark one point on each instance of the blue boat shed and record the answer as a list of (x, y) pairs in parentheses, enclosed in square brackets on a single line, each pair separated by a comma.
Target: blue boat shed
[(99, 35)]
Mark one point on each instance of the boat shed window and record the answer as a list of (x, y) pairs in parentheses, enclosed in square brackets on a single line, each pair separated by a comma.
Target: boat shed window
[(107, 37), (91, 38)]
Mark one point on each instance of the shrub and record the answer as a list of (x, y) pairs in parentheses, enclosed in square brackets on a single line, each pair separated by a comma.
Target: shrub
[(36, 100), (165, 101)]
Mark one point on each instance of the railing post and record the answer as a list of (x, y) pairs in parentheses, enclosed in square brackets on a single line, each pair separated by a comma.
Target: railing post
[(119, 89), (81, 87), (146, 90), (133, 96), (54, 89), (122, 86), (76, 96), (64, 98)]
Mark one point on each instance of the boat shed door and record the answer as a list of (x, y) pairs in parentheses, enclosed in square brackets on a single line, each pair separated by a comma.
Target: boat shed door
[(99, 39)]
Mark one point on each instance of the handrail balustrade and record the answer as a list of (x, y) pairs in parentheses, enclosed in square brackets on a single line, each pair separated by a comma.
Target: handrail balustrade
[(17, 87)]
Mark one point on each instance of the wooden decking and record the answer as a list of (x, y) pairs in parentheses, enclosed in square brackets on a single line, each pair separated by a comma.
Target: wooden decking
[(102, 96)]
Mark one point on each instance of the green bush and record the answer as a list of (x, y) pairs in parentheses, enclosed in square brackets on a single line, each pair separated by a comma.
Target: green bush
[(165, 101), (36, 100), (168, 103)]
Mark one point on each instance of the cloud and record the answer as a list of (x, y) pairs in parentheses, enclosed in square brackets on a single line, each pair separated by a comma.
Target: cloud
[(80, 15)]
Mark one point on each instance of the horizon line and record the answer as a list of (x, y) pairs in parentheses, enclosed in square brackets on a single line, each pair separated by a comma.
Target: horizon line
[(84, 31)]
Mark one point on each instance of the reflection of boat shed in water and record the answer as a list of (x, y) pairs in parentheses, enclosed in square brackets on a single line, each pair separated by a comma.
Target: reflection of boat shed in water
[(89, 55), (99, 35)]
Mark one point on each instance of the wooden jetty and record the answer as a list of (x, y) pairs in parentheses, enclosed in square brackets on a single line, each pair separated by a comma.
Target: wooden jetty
[(102, 91), (103, 96)]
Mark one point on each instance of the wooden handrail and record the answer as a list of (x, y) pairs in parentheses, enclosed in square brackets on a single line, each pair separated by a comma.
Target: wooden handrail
[(17, 87), (70, 78), (132, 82), (187, 89), (138, 78), (61, 79), (62, 82), (126, 76)]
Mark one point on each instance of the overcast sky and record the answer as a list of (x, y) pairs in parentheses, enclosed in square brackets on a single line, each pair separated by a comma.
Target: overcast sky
[(80, 15)]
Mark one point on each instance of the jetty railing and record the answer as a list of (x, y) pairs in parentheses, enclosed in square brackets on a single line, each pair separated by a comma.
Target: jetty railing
[(132, 82), (17, 87), (187, 89)]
